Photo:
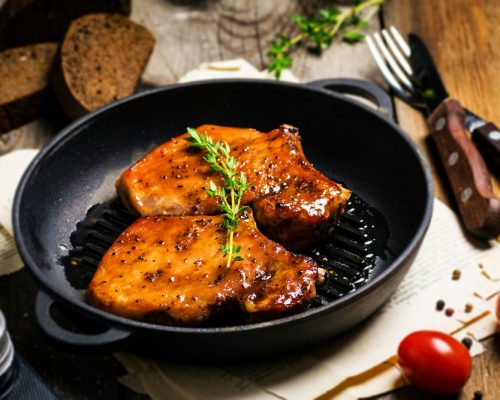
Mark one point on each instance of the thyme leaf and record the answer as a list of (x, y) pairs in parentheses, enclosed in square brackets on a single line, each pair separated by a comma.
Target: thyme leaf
[(319, 30)]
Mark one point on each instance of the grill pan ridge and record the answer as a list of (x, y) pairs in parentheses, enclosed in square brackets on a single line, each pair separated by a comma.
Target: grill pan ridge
[(349, 256)]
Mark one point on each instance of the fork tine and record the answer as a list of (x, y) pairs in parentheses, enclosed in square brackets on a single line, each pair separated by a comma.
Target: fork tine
[(396, 52), (392, 62), (390, 68), (401, 41), (389, 77)]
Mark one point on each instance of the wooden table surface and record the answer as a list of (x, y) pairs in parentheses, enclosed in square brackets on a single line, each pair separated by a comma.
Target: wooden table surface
[(463, 35)]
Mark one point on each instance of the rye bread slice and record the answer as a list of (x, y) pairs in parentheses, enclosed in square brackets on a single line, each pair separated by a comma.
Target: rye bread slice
[(25, 92), (35, 21), (101, 60)]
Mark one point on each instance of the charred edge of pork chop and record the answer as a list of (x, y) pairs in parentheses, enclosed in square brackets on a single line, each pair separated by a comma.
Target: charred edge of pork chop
[(171, 270), (303, 214), (305, 211)]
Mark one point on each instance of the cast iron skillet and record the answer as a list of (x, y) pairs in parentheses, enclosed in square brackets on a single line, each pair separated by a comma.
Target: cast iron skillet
[(358, 146)]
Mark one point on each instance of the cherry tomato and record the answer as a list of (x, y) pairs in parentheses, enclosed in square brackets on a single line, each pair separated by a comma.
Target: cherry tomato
[(434, 362)]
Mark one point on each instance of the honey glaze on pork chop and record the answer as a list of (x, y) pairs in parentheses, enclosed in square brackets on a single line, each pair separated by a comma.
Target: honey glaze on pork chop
[(293, 202), (172, 178), (171, 270)]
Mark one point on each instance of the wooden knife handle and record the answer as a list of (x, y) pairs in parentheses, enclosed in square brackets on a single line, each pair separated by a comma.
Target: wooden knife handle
[(487, 139), (466, 170)]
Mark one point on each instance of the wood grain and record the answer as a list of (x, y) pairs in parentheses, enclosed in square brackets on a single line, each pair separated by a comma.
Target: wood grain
[(211, 31), (463, 36), (189, 33)]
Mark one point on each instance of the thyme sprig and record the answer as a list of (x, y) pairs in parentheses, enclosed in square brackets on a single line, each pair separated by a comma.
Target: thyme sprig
[(219, 158), (320, 30)]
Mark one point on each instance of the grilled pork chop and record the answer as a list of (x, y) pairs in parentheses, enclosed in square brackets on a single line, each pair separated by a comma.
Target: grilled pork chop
[(171, 270), (293, 202)]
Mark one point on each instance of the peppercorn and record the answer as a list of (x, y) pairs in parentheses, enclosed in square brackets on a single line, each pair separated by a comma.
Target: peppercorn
[(440, 305), (468, 307), (467, 342), (449, 312), (456, 274), (478, 395)]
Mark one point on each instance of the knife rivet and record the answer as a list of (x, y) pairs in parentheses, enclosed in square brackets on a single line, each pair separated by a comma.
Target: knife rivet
[(440, 123), (453, 158), (466, 194), (494, 135)]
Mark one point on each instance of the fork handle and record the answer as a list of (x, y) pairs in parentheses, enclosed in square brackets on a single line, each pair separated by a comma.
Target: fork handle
[(466, 170)]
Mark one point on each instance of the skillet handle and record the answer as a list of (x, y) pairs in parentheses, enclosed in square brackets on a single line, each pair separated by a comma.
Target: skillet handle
[(358, 87), (109, 338)]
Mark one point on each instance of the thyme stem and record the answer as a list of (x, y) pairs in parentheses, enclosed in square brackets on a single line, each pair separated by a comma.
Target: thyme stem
[(220, 160), (320, 30)]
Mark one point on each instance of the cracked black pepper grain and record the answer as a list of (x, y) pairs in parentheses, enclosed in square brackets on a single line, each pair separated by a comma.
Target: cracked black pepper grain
[(467, 342), (440, 305)]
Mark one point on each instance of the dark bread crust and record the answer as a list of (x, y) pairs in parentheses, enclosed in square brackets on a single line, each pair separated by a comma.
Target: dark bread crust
[(25, 93), (101, 60), (36, 21)]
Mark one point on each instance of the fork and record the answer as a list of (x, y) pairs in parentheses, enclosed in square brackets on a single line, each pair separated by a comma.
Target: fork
[(395, 52)]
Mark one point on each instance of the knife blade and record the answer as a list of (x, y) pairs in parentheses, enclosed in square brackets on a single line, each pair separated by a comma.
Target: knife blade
[(426, 75), (449, 124)]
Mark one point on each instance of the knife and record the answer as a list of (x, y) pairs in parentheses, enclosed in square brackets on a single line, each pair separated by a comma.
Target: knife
[(449, 124)]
